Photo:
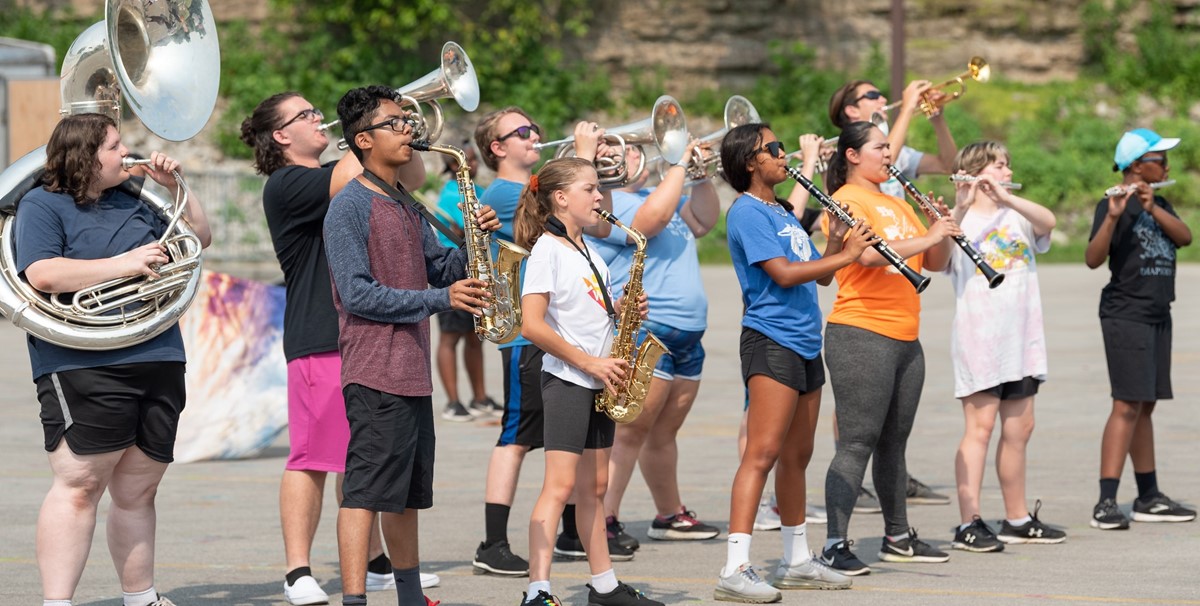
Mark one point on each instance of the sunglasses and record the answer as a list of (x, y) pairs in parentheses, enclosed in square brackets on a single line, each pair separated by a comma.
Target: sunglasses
[(524, 132), (774, 148), (397, 124), (1159, 159), (871, 94), (305, 115)]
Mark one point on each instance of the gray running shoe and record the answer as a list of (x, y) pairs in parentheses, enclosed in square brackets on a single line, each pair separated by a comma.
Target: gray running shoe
[(767, 517), (745, 586), (866, 503), (920, 494), (809, 575)]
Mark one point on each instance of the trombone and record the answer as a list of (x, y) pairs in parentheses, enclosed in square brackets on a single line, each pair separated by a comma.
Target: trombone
[(977, 70)]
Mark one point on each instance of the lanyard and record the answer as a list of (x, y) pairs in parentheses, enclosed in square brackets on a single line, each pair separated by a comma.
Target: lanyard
[(555, 227), (403, 197)]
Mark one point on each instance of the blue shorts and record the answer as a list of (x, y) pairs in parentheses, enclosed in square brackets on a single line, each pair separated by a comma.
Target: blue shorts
[(686, 359)]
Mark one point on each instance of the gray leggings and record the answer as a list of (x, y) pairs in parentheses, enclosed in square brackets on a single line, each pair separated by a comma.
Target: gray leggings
[(876, 387)]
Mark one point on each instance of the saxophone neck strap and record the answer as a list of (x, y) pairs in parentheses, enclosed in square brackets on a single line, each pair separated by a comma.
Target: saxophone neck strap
[(403, 197), (555, 227)]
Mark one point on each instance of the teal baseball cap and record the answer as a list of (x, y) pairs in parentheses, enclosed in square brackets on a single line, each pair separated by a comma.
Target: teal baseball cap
[(1137, 143)]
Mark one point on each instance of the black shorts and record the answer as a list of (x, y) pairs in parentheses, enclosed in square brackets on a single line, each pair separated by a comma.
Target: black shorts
[(1015, 390), (456, 321), (572, 422), (1139, 359), (761, 355), (111, 408), (389, 461), (523, 413)]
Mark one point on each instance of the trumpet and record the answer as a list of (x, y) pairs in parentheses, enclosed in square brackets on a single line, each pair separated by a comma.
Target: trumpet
[(1126, 189), (972, 179), (977, 70)]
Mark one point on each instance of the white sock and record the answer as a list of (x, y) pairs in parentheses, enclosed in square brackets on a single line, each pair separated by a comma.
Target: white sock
[(964, 526), (56, 602), (536, 586), (795, 544), (605, 582), (1020, 521), (738, 552), (141, 598), (899, 537), (831, 541)]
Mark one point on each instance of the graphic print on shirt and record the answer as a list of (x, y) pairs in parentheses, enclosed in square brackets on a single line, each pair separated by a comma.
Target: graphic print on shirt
[(1158, 253), (1004, 250), (678, 228), (898, 228), (593, 291), (799, 241)]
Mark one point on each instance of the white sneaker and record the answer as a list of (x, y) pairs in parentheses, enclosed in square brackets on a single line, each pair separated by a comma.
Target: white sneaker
[(745, 586), (305, 591), (815, 514), (428, 579), (767, 517), (377, 581), (809, 575)]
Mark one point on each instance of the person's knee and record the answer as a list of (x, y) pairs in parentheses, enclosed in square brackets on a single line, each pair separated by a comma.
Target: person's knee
[(133, 495), (761, 458), (82, 491), (1127, 412), (980, 430)]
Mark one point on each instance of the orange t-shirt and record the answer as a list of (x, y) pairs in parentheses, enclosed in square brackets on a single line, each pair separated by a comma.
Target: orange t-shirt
[(879, 299)]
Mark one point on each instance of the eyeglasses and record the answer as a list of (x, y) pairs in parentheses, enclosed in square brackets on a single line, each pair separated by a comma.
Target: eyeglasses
[(305, 115), (524, 132), (774, 148), (396, 123), (1159, 159), (871, 94)]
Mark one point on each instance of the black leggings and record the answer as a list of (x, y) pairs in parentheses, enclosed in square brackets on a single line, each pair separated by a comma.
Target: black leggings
[(877, 385)]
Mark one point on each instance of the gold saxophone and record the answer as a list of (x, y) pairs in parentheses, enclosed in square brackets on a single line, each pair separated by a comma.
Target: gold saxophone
[(627, 404), (501, 321)]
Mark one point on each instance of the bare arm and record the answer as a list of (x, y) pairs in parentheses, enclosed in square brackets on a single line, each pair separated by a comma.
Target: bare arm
[(346, 169), (703, 208), (943, 162), (810, 145), (61, 274), (534, 327)]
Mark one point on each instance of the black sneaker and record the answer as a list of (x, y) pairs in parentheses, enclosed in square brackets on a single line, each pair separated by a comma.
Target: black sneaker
[(623, 595), (920, 494), (840, 558), (1160, 508), (571, 549), (541, 599), (1033, 531), (1107, 516), (682, 526), (866, 503), (498, 558), (617, 530), (977, 537), (911, 549), (456, 412), (485, 407)]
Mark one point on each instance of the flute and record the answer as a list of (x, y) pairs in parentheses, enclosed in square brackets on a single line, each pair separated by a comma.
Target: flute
[(994, 278), (1121, 190), (972, 179), (918, 281)]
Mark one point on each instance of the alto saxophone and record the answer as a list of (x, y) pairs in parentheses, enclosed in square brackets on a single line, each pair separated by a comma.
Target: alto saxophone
[(501, 321), (627, 404)]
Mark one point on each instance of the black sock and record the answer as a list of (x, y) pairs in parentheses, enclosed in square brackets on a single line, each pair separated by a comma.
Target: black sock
[(408, 585), (568, 521), (295, 575), (354, 600), (1147, 483), (1108, 488), (380, 565), (495, 522)]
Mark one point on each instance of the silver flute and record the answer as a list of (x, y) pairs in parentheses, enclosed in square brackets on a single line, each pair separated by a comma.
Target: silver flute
[(1125, 189), (972, 179)]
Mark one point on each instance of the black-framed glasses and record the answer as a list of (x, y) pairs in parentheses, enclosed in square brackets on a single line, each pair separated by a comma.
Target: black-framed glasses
[(396, 123), (524, 132), (871, 94), (774, 148), (304, 115)]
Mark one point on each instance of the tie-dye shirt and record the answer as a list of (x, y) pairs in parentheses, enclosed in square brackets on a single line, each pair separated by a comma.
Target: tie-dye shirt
[(997, 334)]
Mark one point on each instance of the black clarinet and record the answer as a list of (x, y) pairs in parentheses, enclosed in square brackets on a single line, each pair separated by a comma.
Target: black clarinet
[(994, 278), (918, 281)]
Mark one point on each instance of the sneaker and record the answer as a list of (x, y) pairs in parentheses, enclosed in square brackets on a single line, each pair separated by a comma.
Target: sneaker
[(382, 581), (745, 586), (623, 595), (809, 575), (428, 579), (767, 517), (1033, 531), (485, 407), (541, 599), (977, 537), (840, 558), (499, 559), (1160, 508), (920, 494), (571, 549), (815, 514), (682, 526), (1107, 516), (161, 601), (305, 591), (617, 530), (456, 412), (911, 549), (867, 503)]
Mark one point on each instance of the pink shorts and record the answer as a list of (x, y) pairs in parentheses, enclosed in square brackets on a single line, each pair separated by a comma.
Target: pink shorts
[(317, 425)]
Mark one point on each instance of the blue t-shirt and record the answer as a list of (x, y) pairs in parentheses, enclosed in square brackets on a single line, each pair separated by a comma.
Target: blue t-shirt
[(49, 226), (448, 202), (671, 275), (789, 316), (503, 196)]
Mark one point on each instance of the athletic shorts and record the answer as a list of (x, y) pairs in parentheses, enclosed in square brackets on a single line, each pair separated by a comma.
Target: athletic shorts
[(317, 428), (389, 461), (522, 421), (686, 357), (1015, 390), (110, 408), (456, 321), (1139, 359), (761, 355), (572, 422)]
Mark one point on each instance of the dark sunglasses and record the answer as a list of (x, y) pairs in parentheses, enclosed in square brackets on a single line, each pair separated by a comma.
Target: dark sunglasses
[(774, 148), (523, 132), (397, 124), (305, 115), (871, 94)]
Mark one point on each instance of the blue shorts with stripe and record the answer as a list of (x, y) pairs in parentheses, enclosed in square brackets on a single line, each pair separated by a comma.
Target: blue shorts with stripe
[(523, 414)]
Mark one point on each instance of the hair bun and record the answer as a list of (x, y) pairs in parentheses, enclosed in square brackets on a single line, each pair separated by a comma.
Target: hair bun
[(533, 184)]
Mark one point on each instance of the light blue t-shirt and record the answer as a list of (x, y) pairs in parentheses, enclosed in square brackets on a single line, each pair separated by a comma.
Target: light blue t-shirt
[(789, 316), (671, 275), (448, 202), (503, 196)]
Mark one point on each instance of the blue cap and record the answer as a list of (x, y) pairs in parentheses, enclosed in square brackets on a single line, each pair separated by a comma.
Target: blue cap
[(1137, 143)]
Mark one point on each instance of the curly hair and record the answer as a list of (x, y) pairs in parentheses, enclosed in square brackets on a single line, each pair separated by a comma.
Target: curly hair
[(71, 162), (485, 134), (258, 132), (356, 108), (536, 206)]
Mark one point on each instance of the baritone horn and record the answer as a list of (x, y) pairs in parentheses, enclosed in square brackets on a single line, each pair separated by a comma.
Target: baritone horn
[(705, 162), (977, 70)]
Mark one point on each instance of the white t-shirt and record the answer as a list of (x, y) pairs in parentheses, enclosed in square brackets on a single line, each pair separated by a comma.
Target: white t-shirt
[(576, 310), (997, 335)]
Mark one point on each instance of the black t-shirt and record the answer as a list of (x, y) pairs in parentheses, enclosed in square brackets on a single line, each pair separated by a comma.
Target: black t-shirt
[(295, 200), (1142, 260)]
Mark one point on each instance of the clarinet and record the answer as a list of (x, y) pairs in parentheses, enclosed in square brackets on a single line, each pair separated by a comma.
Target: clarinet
[(993, 277), (918, 281)]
